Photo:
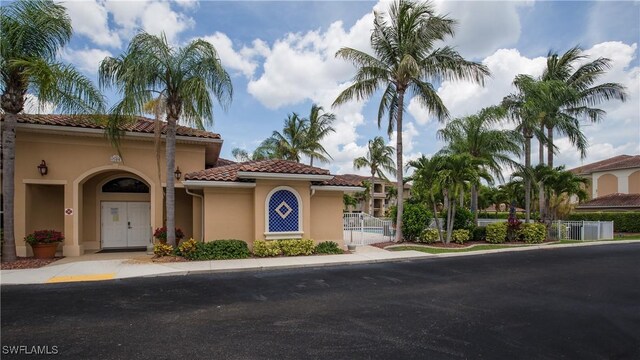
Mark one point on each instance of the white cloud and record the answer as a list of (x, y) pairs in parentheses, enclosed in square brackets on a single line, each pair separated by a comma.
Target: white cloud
[(90, 18), (241, 61), (158, 17), (86, 60)]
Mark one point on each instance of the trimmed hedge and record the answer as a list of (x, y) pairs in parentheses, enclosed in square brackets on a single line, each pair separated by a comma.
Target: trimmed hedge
[(460, 236), (533, 233), (216, 250), (428, 236), (479, 233), (497, 233), (622, 221), (504, 215), (292, 247), (415, 218)]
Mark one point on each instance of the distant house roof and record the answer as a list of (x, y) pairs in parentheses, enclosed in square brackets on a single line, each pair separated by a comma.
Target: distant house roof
[(344, 180), (230, 172), (616, 200), (138, 124), (615, 163), (224, 162)]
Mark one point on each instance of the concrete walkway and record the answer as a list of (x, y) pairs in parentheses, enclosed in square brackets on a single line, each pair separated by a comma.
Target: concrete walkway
[(96, 267)]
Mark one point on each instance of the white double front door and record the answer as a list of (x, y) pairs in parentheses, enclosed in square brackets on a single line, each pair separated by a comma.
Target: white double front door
[(125, 224)]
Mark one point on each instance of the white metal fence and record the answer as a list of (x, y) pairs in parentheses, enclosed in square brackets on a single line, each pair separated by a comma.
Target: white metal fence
[(581, 230), (364, 229)]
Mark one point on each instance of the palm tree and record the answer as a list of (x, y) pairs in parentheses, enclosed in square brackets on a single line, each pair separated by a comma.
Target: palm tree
[(319, 128), (186, 77), (476, 136), (424, 183), (560, 185), (32, 34), (580, 78), (290, 144), (406, 60), (379, 159)]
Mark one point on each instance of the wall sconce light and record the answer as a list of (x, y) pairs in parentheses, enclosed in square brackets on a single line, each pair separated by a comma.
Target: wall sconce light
[(42, 168), (178, 173)]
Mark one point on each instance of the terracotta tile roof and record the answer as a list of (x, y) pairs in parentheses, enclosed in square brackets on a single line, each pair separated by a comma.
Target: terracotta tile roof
[(224, 162), (613, 200), (343, 180), (139, 124), (614, 163), (230, 172)]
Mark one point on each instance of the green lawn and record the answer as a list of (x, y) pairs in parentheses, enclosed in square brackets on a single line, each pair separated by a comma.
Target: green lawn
[(431, 250)]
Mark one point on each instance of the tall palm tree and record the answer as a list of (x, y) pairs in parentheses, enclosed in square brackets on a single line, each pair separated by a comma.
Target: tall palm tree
[(320, 125), (406, 59), (379, 159), (32, 34), (291, 143), (187, 77), (476, 136), (572, 71)]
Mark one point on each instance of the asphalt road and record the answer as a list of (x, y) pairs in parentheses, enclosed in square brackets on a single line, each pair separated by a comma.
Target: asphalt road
[(571, 303)]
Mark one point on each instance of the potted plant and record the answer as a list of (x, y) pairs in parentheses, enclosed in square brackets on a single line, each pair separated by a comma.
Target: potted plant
[(161, 235), (44, 243)]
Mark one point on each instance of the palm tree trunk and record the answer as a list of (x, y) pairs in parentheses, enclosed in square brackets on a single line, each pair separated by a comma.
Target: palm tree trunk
[(371, 187), (8, 178), (171, 164), (452, 212), (474, 202), (311, 161), (435, 218), (400, 200), (541, 212), (527, 179), (550, 147), (461, 198)]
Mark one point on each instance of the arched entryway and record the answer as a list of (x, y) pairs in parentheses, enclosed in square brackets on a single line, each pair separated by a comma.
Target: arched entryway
[(116, 210)]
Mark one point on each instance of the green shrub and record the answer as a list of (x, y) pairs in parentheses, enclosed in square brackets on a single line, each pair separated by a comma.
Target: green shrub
[(460, 236), (628, 221), (187, 247), (263, 248), (218, 250), (415, 218), (328, 247), (557, 235), (497, 232), (161, 249), (532, 233), (479, 233), (463, 219), (429, 236), (296, 247)]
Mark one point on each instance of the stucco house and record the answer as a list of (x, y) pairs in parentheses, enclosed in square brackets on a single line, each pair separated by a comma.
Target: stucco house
[(70, 178), (381, 199), (614, 184)]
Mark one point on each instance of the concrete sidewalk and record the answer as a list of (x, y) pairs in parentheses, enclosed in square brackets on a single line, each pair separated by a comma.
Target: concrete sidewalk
[(126, 265), (91, 269)]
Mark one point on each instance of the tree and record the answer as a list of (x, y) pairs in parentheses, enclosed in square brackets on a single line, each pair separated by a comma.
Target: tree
[(319, 126), (564, 118), (379, 159), (476, 136), (559, 185), (186, 77), (32, 34), (406, 60), (425, 172), (291, 143)]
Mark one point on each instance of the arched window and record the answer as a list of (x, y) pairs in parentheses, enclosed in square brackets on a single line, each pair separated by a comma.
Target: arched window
[(125, 185), (283, 214)]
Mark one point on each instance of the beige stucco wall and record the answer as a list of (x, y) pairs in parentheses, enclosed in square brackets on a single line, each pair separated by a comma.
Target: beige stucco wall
[(326, 217), (634, 183), (184, 213), (607, 184), (73, 160), (46, 204), (229, 214)]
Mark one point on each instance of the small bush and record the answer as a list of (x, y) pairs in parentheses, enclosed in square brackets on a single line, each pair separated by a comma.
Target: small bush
[(263, 248), (460, 236), (497, 232), (415, 218), (187, 247), (532, 233), (218, 250), (479, 233), (328, 247), (44, 237), (463, 219), (296, 247), (161, 250), (429, 236)]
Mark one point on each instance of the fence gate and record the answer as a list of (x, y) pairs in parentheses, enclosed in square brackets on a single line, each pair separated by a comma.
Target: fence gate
[(364, 229), (582, 230)]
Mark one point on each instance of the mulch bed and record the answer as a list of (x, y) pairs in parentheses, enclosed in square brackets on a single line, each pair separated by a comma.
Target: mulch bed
[(27, 263)]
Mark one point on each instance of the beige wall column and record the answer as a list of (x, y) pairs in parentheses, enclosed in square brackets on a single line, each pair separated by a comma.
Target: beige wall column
[(72, 199), (22, 249)]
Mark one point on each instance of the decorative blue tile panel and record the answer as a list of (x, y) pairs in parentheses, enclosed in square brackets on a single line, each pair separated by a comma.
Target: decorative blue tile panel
[(283, 212)]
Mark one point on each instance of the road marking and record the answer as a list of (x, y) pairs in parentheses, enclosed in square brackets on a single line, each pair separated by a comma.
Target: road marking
[(75, 278)]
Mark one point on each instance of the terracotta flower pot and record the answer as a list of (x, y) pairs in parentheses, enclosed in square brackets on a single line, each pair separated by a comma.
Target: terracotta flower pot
[(44, 251)]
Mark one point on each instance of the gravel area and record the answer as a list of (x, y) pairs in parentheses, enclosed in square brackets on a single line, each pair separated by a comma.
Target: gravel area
[(27, 263)]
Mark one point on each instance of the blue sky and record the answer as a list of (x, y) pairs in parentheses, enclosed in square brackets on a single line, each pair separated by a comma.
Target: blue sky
[(280, 56)]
